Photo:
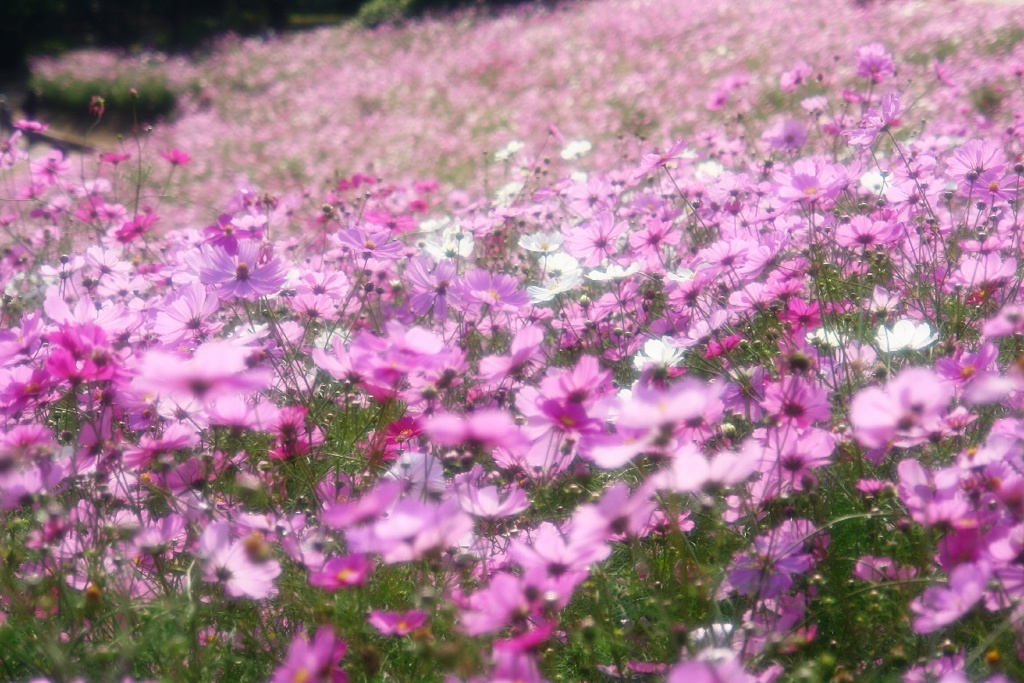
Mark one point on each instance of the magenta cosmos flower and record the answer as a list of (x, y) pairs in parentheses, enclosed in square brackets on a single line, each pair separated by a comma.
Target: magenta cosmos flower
[(313, 662), (397, 623)]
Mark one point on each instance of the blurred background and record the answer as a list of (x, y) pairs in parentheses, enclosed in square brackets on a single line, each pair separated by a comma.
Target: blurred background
[(38, 27)]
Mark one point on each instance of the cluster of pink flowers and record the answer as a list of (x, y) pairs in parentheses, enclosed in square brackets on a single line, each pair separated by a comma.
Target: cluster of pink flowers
[(773, 375)]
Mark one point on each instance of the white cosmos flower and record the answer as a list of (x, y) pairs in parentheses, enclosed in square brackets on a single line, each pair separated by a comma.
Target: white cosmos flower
[(681, 275), (553, 288), (662, 352), (904, 335), (558, 264), (575, 149), (508, 192), (707, 170), (876, 182), (508, 151), (828, 339), (454, 242), (541, 243), (613, 271)]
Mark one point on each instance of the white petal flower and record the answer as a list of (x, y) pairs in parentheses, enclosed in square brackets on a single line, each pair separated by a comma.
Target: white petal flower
[(663, 352), (905, 335), (575, 149), (826, 339), (550, 290), (681, 275), (558, 264), (508, 151), (613, 271), (454, 242), (541, 243)]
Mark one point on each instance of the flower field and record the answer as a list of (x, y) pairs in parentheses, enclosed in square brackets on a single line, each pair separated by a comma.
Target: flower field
[(620, 340)]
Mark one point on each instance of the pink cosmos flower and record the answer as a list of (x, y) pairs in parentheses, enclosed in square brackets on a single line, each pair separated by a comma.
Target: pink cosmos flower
[(767, 569), (861, 233), (367, 244), (315, 662), (341, 572), (876, 121), (596, 240), (939, 606), (187, 314), (650, 162), (214, 370), (499, 292), (242, 566), (514, 600), (712, 667), (977, 161), (397, 623), (905, 413), (796, 401), (429, 286), (248, 274), (488, 501), (412, 529), (811, 180), (176, 157), (875, 63), (481, 429)]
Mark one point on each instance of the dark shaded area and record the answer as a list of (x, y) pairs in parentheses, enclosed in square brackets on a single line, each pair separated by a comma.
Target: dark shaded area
[(30, 27)]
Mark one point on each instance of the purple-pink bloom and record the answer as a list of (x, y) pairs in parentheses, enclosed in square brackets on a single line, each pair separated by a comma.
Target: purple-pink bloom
[(315, 662), (939, 606), (247, 274), (397, 623), (499, 292), (341, 572), (242, 566), (875, 63)]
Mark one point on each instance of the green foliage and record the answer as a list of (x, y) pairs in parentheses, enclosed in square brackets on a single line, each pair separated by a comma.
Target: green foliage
[(377, 12), (146, 96)]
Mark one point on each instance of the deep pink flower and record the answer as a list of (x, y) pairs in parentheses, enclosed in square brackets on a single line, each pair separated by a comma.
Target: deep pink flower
[(176, 157), (342, 572), (397, 623), (315, 662)]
